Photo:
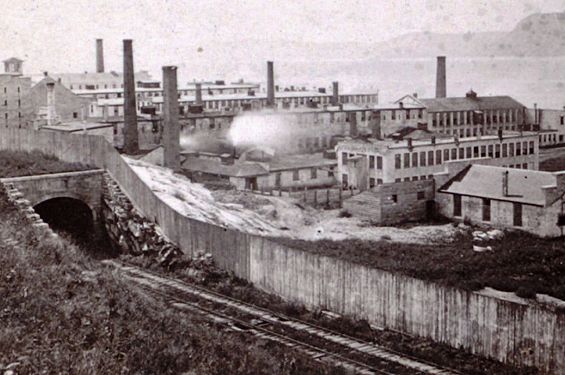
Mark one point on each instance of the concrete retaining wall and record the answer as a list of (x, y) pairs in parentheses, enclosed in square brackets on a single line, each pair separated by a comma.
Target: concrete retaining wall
[(519, 334)]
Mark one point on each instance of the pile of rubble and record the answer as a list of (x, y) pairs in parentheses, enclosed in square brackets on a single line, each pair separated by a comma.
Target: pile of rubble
[(132, 232), (482, 241)]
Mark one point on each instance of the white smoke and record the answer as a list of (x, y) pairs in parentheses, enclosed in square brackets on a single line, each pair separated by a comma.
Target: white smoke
[(261, 129)]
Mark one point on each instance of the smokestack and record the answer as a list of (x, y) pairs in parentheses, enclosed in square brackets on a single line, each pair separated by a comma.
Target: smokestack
[(441, 83), (131, 138), (99, 56), (352, 124), (335, 93), (51, 112), (198, 94), (171, 129), (270, 84)]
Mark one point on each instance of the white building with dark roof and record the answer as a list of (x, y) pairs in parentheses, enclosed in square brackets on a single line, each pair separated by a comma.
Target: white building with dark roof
[(528, 200)]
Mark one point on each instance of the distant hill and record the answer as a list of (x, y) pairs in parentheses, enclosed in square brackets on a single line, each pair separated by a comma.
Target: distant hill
[(541, 34)]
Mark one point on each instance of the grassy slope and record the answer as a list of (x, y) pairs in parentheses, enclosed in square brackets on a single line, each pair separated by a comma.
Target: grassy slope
[(64, 313), (18, 163), (520, 262)]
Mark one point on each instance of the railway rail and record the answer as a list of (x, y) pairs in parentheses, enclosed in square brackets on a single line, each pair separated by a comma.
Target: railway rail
[(354, 355)]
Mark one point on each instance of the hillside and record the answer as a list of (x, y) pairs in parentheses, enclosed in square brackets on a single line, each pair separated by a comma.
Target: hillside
[(540, 34)]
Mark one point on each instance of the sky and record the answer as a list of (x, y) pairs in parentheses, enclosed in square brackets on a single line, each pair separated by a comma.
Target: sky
[(58, 35)]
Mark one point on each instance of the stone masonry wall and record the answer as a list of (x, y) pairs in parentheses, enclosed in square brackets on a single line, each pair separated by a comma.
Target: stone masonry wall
[(130, 231)]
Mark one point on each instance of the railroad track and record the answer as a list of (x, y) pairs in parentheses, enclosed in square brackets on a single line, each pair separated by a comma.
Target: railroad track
[(355, 355)]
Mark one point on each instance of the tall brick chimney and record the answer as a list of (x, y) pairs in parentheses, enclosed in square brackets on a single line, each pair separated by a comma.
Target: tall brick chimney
[(198, 94), (99, 56), (441, 83), (270, 84), (171, 128), (335, 93), (131, 138)]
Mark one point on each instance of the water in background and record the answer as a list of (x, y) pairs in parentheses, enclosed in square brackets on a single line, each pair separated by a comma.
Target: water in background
[(529, 80)]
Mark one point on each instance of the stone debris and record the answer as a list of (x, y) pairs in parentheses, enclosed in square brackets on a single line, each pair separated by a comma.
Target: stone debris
[(132, 232)]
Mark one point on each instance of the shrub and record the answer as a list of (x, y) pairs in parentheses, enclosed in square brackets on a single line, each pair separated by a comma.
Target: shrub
[(344, 213), (526, 292)]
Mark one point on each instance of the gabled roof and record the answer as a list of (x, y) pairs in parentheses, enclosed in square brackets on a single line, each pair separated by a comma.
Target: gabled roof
[(479, 103), (483, 181), (13, 59)]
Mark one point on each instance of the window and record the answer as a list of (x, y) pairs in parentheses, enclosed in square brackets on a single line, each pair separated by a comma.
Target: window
[(461, 153), (438, 157), (75, 115), (504, 150), (397, 161), (406, 179), (371, 182), (525, 166), (497, 150), (344, 157), (486, 209), (379, 181), (331, 172), (453, 154), (456, 205), (525, 148), (490, 151), (562, 120), (415, 178), (469, 152), (5, 90), (414, 159), (531, 147), (379, 162), (295, 175), (394, 114), (518, 149), (406, 160), (430, 158), (5, 103), (511, 149), (371, 162), (446, 155), (344, 180), (397, 180), (517, 210), (421, 195), (423, 158), (394, 198), (313, 173)]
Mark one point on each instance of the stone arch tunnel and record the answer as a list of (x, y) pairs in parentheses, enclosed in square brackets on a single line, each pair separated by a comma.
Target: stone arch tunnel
[(68, 215)]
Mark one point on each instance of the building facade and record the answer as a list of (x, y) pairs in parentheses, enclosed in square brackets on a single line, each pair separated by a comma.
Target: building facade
[(15, 108), (407, 160), (527, 200)]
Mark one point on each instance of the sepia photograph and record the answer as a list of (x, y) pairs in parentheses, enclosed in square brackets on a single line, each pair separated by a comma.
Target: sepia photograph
[(257, 187)]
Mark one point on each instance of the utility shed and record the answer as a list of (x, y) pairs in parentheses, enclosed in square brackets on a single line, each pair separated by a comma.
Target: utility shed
[(528, 200)]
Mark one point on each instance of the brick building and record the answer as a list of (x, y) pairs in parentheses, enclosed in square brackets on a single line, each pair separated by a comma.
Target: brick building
[(15, 108)]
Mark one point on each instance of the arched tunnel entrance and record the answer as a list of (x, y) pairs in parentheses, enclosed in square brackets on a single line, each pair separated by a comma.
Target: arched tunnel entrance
[(74, 219)]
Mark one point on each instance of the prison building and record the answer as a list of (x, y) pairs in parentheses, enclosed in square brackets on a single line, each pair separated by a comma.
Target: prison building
[(366, 163)]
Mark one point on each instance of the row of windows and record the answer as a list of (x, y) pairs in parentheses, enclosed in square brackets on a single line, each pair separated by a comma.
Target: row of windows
[(400, 114), (6, 115), (374, 162), (470, 117), (486, 210), (551, 138), (6, 89), (421, 159), (415, 178), (296, 175), (6, 103), (473, 132)]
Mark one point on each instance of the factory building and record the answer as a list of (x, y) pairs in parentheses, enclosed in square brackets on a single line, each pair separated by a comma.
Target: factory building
[(15, 108), (366, 163), (506, 198), (50, 98), (550, 123)]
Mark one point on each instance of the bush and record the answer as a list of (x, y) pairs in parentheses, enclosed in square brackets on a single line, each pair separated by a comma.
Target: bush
[(526, 292), (344, 213)]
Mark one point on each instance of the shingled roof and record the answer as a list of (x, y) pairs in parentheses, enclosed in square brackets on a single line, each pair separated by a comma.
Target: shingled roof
[(469, 103)]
